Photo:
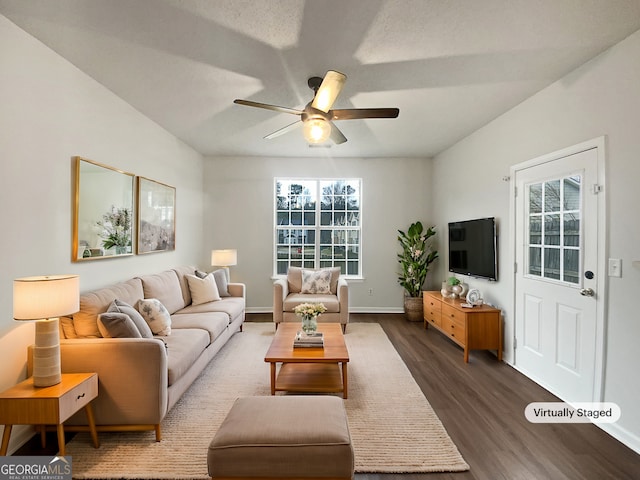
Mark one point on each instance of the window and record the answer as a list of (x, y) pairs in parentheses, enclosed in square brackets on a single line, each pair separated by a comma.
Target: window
[(318, 224), (554, 229)]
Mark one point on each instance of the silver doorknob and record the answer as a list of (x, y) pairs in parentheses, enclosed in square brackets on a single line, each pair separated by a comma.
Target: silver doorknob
[(587, 292)]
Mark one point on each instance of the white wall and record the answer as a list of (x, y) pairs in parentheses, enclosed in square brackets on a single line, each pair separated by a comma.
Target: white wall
[(50, 111), (600, 98), (239, 214)]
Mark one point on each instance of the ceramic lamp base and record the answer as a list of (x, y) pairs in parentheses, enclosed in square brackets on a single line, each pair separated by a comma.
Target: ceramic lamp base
[(46, 354)]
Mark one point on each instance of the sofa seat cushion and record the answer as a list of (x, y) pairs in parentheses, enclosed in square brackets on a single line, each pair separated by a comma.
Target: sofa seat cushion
[(232, 306), (165, 287), (85, 321), (215, 323), (184, 346), (295, 299)]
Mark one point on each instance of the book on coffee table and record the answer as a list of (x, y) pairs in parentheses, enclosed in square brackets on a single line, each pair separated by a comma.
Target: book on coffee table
[(310, 340)]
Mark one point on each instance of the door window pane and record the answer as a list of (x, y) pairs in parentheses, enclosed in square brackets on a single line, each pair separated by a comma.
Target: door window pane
[(552, 263), (535, 198), (552, 196), (535, 261), (571, 272)]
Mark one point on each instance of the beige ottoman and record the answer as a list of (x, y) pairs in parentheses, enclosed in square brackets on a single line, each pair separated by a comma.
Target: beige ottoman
[(283, 437)]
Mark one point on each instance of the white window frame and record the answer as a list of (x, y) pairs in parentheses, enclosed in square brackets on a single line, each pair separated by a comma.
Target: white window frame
[(315, 250)]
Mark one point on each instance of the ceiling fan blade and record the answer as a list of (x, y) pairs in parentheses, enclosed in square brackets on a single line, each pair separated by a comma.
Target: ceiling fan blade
[(266, 106), (357, 113), (284, 130), (336, 135), (329, 90)]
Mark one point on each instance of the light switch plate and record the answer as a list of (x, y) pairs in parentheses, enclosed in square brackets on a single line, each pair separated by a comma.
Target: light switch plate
[(615, 267)]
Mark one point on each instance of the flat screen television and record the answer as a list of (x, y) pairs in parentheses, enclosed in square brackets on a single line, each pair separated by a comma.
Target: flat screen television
[(473, 248)]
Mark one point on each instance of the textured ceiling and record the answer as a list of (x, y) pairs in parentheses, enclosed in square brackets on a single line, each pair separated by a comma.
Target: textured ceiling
[(449, 66)]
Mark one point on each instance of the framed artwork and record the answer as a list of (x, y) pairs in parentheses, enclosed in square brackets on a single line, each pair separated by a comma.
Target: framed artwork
[(103, 211), (156, 216)]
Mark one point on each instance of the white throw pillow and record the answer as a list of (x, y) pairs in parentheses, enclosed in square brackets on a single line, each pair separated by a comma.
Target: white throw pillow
[(203, 290), (316, 281), (156, 315)]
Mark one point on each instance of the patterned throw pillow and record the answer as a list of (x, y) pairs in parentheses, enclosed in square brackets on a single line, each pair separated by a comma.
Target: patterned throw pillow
[(156, 315), (316, 281)]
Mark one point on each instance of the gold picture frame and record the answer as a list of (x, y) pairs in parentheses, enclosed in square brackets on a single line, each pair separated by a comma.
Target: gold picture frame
[(103, 211), (156, 223)]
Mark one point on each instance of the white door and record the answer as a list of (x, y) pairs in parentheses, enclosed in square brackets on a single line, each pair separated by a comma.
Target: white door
[(556, 302)]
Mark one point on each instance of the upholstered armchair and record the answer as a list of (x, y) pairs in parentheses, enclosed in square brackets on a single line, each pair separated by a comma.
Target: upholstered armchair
[(324, 286)]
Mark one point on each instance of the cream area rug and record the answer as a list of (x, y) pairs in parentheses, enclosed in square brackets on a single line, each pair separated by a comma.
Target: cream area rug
[(392, 425)]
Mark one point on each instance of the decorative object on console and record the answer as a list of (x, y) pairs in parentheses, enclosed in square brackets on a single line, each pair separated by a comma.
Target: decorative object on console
[(474, 297), (309, 312), (414, 260), (156, 216), (454, 287), (45, 298), (103, 211), (224, 258)]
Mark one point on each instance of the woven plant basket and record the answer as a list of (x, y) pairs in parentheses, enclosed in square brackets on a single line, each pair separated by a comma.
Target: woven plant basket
[(413, 309)]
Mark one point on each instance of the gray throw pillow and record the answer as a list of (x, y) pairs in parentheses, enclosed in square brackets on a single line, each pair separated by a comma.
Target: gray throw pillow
[(117, 325), (122, 307), (220, 276)]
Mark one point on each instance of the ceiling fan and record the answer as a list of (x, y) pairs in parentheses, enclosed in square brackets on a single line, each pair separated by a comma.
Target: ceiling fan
[(317, 117)]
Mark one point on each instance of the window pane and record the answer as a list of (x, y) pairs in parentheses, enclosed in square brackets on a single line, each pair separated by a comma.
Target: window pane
[(552, 229), (572, 193), (552, 263), (571, 229), (535, 230), (535, 198), (309, 218), (535, 259), (296, 218), (572, 266), (552, 196), (283, 218)]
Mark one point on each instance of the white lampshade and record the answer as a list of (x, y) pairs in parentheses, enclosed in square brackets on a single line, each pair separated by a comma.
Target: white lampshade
[(44, 299), (36, 298), (224, 258)]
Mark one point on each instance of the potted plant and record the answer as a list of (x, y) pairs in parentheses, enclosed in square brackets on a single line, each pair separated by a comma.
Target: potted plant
[(414, 261)]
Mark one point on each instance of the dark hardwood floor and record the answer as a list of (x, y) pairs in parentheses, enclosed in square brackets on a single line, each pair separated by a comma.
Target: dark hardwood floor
[(481, 404)]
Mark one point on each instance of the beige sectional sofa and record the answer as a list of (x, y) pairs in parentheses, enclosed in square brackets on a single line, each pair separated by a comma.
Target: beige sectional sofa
[(141, 379)]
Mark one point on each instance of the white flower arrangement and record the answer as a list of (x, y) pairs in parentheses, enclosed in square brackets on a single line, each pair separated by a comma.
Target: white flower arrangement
[(309, 309)]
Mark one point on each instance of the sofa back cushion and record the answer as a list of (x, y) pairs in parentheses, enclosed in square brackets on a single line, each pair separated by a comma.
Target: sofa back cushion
[(85, 321), (294, 279), (184, 285), (166, 288)]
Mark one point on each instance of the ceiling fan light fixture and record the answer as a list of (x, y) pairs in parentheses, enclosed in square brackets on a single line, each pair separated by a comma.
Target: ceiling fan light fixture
[(316, 130)]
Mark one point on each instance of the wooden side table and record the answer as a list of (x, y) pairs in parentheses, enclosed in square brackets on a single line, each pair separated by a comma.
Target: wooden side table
[(26, 404)]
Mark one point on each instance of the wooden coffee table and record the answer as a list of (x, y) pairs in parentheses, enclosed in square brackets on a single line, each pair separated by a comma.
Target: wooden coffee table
[(308, 370)]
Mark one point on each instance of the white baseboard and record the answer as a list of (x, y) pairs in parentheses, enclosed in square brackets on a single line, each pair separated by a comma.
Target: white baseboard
[(622, 435)]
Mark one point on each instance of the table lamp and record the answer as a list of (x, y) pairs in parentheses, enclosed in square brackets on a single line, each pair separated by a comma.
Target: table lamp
[(44, 299), (224, 258)]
